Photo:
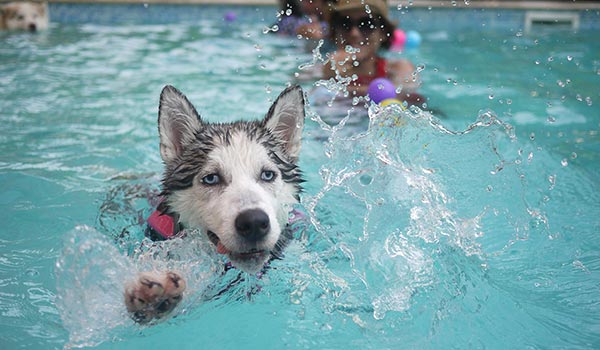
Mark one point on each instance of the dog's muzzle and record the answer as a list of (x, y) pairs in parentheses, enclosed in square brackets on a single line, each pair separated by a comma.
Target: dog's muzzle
[(252, 225)]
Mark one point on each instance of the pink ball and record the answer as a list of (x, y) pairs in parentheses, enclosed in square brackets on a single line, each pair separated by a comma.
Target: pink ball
[(381, 89), (398, 40)]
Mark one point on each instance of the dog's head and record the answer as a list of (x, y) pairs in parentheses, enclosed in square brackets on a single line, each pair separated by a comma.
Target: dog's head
[(31, 16), (235, 181)]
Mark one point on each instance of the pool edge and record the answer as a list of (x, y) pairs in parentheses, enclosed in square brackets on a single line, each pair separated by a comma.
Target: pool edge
[(494, 4)]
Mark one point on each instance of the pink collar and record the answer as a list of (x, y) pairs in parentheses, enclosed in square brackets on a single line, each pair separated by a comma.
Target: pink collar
[(163, 224)]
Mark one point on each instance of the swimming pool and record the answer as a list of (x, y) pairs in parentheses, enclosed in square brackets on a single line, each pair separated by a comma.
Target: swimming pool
[(475, 230)]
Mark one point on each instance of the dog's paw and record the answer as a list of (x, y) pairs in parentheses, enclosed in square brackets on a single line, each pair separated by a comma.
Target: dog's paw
[(153, 295)]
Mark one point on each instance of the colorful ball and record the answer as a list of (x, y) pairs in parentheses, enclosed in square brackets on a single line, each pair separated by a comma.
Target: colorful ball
[(230, 16), (398, 40), (413, 39), (381, 89), (390, 101)]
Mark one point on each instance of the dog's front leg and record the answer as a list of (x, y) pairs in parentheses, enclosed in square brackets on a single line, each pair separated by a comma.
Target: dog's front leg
[(153, 295)]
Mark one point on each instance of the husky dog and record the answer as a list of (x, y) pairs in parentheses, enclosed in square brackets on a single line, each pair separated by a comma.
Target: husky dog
[(235, 182), (24, 15)]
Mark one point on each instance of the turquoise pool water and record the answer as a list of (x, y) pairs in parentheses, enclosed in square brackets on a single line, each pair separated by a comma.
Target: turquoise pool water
[(477, 228)]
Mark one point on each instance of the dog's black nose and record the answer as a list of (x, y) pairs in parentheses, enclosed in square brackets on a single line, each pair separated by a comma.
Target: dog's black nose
[(252, 224), (32, 27)]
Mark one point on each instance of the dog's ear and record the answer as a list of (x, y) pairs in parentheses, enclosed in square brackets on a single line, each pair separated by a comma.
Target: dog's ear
[(178, 122), (43, 6), (285, 119), (7, 10)]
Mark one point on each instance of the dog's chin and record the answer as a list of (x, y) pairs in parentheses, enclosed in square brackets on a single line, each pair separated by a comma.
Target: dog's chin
[(249, 262)]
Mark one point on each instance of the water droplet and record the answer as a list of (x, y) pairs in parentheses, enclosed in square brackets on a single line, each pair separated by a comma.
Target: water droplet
[(550, 59), (489, 188), (551, 119), (560, 83), (268, 89), (552, 180), (288, 12), (569, 58), (588, 100), (532, 136), (366, 180), (274, 28), (573, 155), (420, 67), (491, 96), (257, 47), (564, 162), (32, 273)]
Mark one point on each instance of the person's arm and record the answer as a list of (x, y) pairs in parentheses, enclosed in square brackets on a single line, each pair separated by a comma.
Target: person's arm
[(403, 73)]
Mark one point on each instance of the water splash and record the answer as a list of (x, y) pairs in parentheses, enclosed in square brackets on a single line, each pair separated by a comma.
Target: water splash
[(427, 196), (90, 276), (92, 273)]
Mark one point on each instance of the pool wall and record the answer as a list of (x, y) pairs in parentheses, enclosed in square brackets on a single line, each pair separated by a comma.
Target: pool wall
[(418, 17)]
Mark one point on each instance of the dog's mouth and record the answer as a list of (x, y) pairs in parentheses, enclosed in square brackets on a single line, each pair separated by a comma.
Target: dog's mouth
[(252, 254)]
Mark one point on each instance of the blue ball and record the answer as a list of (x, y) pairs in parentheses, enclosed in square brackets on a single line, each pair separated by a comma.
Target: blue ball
[(413, 39), (381, 89)]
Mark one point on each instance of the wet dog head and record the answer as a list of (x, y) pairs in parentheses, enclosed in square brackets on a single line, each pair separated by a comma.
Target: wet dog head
[(32, 16), (235, 181)]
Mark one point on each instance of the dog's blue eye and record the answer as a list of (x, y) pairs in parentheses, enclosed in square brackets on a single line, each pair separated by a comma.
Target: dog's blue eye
[(211, 179), (267, 175)]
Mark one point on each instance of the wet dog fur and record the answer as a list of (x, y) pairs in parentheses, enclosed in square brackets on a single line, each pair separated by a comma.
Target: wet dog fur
[(25, 15), (235, 182)]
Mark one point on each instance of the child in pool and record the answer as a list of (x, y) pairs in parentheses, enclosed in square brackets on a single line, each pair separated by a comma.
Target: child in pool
[(364, 26)]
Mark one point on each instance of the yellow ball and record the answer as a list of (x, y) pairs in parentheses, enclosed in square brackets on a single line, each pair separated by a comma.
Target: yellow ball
[(390, 101)]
